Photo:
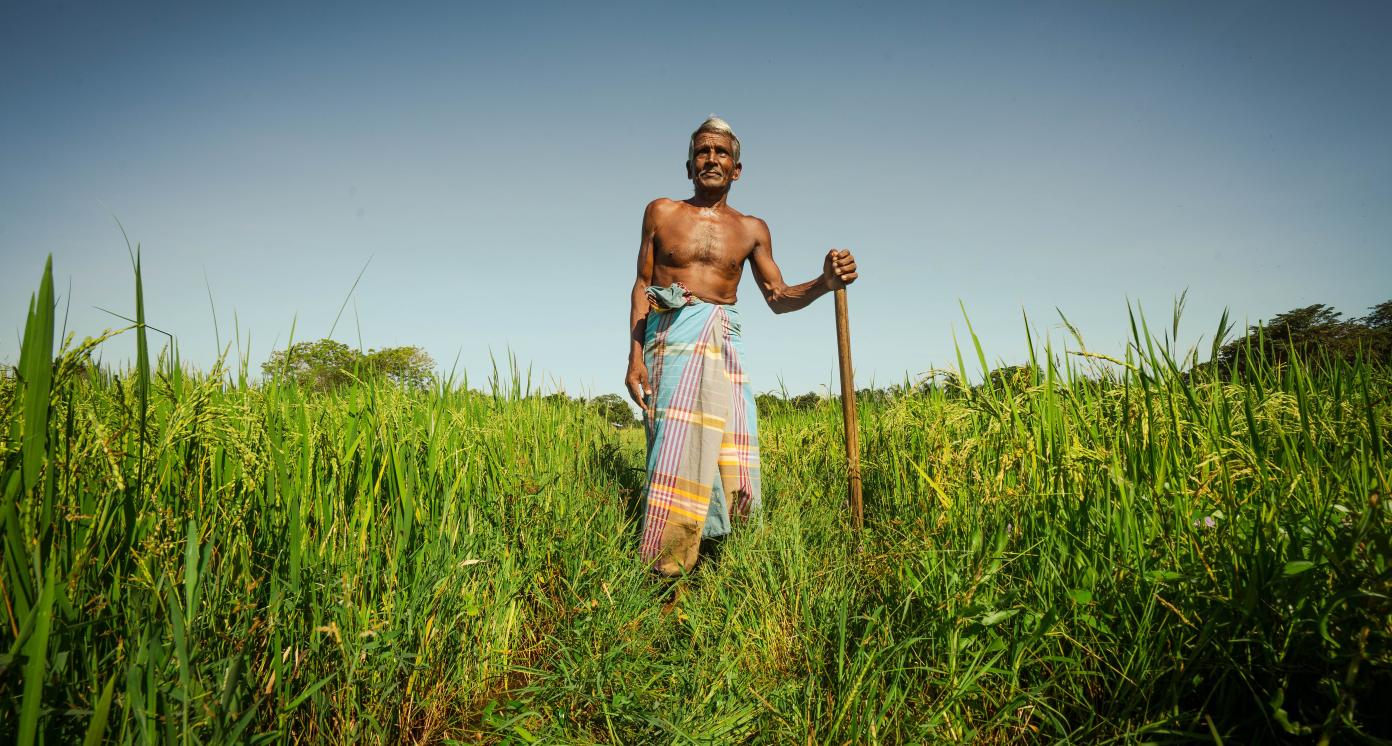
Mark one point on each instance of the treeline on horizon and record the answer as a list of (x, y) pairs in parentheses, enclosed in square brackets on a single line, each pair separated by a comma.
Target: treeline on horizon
[(1316, 334)]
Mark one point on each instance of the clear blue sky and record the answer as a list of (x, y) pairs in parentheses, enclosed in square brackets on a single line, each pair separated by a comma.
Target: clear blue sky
[(494, 161)]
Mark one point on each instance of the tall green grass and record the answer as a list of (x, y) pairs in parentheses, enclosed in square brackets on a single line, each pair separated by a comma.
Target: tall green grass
[(1086, 552)]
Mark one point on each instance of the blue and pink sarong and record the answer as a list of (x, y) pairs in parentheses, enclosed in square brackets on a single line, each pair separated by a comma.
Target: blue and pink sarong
[(703, 445)]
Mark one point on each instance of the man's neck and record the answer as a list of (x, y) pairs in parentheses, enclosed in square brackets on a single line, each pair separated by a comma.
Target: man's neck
[(713, 198)]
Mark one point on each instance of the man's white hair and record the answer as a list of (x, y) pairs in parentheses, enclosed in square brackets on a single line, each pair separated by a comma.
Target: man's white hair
[(713, 123)]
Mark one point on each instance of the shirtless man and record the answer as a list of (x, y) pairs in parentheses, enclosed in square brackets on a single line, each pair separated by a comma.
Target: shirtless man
[(690, 260)]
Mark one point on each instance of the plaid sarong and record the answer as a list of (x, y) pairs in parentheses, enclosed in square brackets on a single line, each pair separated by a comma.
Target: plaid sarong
[(703, 447)]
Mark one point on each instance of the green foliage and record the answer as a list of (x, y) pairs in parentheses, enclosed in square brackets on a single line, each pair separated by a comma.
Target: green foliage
[(614, 410), (804, 402), (1381, 317), (939, 381), (315, 366), (327, 364), (1010, 378), (768, 403), (1379, 331), (410, 367), (1313, 333), (1147, 557)]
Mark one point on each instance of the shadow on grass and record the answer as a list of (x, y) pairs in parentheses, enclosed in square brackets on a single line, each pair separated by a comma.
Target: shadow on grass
[(626, 469)]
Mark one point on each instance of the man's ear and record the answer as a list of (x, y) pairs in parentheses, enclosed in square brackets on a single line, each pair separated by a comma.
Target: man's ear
[(735, 174), (689, 173)]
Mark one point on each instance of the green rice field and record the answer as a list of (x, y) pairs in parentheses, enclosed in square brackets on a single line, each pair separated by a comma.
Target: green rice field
[(1090, 551)]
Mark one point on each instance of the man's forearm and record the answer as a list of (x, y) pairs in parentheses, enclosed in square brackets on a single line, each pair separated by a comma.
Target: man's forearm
[(797, 297), (637, 325), (635, 347)]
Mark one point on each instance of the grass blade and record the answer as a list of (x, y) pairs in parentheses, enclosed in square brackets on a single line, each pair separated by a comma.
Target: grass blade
[(96, 729), (36, 667), (36, 368)]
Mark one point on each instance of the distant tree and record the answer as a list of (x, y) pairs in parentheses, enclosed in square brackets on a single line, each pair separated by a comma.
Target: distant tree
[(326, 364), (1311, 333), (614, 410), (320, 366), (410, 367), (877, 396), (1015, 378), (769, 402), (1380, 318), (1306, 332), (804, 402), (945, 381), (1378, 331)]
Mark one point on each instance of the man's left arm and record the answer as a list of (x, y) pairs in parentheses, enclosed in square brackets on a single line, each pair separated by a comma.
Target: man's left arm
[(838, 271)]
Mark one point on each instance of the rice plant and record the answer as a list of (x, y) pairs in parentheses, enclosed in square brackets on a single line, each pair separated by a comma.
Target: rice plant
[(1087, 551)]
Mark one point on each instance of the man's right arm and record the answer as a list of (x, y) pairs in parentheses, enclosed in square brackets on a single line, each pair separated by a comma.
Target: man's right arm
[(637, 379)]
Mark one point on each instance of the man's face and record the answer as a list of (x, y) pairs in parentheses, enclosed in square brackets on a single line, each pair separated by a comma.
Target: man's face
[(712, 164)]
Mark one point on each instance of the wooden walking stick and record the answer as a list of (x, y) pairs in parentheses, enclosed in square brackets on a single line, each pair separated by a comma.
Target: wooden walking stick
[(848, 410)]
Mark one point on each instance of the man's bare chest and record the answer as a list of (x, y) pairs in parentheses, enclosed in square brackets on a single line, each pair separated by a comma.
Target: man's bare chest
[(716, 243)]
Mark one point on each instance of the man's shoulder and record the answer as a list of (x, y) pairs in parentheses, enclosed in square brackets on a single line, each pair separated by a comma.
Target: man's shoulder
[(751, 219), (659, 212), (662, 204), (754, 223)]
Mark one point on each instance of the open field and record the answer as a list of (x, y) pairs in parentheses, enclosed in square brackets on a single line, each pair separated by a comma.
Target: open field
[(1088, 554)]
